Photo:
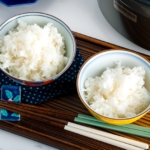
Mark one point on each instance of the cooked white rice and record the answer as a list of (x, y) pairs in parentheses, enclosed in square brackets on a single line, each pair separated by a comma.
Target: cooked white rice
[(33, 53), (119, 92)]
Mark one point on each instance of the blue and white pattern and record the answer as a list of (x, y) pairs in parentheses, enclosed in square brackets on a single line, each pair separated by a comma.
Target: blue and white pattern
[(10, 93), (64, 85)]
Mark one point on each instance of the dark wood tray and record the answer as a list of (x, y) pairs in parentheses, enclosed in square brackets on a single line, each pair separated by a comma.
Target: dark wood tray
[(60, 138)]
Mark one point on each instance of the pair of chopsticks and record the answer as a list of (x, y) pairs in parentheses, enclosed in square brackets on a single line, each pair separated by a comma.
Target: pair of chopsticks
[(129, 128), (64, 120)]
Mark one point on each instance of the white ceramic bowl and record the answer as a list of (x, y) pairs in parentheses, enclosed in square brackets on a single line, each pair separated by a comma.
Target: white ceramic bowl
[(42, 19), (96, 64)]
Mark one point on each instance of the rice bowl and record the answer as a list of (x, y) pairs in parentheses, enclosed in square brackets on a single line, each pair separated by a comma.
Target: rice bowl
[(33, 53), (32, 69), (100, 96), (119, 92)]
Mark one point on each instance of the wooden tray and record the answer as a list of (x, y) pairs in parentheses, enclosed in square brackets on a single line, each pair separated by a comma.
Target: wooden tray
[(60, 138)]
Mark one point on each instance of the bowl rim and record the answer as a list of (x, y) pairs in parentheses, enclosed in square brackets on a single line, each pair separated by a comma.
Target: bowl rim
[(64, 25), (83, 101)]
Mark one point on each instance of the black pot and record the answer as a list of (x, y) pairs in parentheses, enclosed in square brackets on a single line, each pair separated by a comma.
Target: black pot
[(131, 18)]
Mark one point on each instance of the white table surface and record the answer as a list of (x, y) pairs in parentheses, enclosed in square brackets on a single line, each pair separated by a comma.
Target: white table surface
[(82, 16)]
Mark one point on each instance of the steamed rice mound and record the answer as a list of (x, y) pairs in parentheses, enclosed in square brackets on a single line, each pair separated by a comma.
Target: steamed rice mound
[(119, 92), (33, 53)]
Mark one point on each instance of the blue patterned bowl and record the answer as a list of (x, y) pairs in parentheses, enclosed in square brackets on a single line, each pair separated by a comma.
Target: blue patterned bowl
[(42, 19), (9, 3)]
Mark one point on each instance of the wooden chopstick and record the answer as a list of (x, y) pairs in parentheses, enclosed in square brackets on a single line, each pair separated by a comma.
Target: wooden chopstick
[(133, 129), (35, 108), (32, 111), (103, 138), (130, 126), (109, 135)]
